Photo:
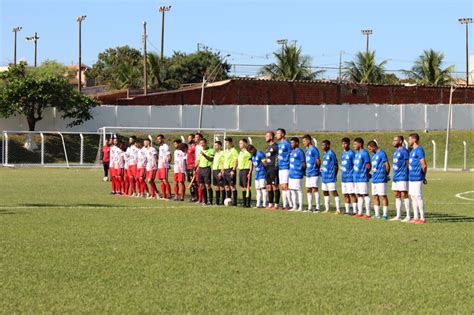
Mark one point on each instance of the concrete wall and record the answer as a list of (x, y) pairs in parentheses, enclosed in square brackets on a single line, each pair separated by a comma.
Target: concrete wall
[(263, 117)]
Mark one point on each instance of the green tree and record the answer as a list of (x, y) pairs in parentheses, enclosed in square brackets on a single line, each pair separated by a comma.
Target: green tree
[(160, 76), (290, 64), (190, 68), (118, 67), (428, 69), (365, 69), (27, 92)]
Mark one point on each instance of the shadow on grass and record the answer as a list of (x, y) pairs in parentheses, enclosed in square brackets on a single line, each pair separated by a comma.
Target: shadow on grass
[(447, 218)]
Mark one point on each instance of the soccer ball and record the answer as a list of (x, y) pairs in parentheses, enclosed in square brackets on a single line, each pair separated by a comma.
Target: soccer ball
[(228, 202), (105, 179)]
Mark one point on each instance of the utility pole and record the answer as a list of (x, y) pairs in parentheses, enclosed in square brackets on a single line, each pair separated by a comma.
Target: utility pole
[(283, 43), (79, 81), (15, 30), (35, 40), (340, 65), (367, 33), (163, 9), (145, 71), (466, 21)]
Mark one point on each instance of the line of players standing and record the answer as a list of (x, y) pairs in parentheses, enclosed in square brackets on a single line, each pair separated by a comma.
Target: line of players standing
[(278, 173)]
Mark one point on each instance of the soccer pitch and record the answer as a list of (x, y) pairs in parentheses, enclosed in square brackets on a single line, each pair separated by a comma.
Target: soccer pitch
[(69, 246)]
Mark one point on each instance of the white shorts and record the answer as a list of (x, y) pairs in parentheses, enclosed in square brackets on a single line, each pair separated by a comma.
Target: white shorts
[(415, 188), (347, 188), (379, 189), (361, 188), (260, 183), (400, 186), (313, 182), (283, 176), (295, 184), (328, 186)]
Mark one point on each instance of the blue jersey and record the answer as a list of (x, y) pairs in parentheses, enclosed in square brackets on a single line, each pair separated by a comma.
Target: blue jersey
[(415, 173), (379, 172), (258, 167), (312, 167), (328, 169), (400, 167), (347, 166), (296, 163), (284, 150), (361, 173)]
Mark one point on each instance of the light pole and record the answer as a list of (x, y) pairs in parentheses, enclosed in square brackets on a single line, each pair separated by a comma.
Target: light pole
[(466, 21), (15, 30), (163, 9), (79, 82), (283, 43), (35, 40), (145, 71), (367, 33)]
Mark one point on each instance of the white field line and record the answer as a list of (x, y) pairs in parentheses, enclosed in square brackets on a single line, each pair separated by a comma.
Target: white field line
[(460, 195)]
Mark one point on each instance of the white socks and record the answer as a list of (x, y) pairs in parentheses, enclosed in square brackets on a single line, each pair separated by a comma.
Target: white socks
[(414, 204), (284, 195), (421, 206), (348, 207), (293, 198), (398, 206), (385, 211), (354, 207), (407, 207), (367, 205), (360, 205), (336, 199), (316, 197), (264, 195), (377, 211), (309, 196), (326, 203), (259, 196), (300, 200)]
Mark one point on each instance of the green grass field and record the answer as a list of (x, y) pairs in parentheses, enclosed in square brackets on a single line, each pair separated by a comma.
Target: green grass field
[(67, 246)]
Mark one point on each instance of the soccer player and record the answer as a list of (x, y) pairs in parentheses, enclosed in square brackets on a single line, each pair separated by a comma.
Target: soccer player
[(141, 169), (313, 174), (132, 151), (416, 178), (105, 158), (217, 172), (151, 167), (347, 176), (114, 151), (179, 168), (329, 171), (258, 165), (231, 156), (284, 150), (362, 168), (400, 178), (197, 140), (164, 160), (190, 167), (272, 170), (243, 163), (121, 168), (380, 171), (296, 173), (206, 156)]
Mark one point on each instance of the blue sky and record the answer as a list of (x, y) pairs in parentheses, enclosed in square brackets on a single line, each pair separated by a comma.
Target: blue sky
[(245, 29)]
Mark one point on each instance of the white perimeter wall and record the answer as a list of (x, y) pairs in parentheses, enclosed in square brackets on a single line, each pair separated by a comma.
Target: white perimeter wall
[(264, 117)]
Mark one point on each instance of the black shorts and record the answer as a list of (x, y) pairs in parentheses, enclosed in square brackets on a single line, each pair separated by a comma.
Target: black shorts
[(189, 174), (272, 176), (216, 180), (204, 176), (228, 179), (243, 174)]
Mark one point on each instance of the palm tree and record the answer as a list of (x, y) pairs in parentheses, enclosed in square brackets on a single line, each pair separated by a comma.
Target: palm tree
[(364, 69), (160, 73), (428, 70), (290, 65), (127, 76)]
